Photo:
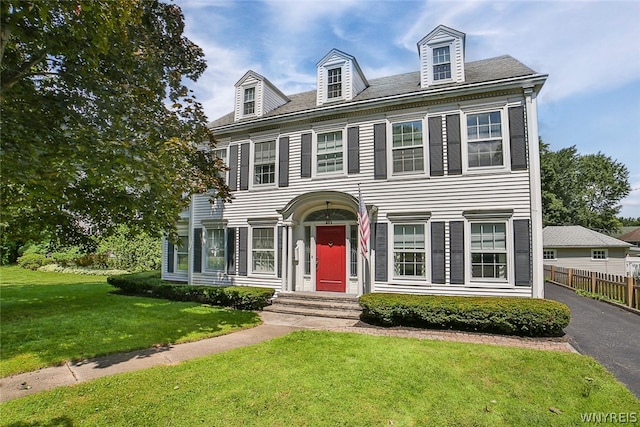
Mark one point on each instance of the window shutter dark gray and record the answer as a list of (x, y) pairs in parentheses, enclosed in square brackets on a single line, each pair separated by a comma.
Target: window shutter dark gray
[(436, 162), (353, 149), (283, 173), (380, 151), (170, 249), (233, 167), (454, 145), (437, 252), (456, 244), (197, 250), (381, 252), (243, 238), (522, 248), (517, 138), (305, 156), (244, 166), (279, 260), (231, 251)]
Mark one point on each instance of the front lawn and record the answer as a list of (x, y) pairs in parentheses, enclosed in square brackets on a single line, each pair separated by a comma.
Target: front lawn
[(325, 378), (49, 318)]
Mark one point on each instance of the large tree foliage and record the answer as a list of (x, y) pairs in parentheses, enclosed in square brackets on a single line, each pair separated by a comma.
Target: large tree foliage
[(582, 189), (98, 127)]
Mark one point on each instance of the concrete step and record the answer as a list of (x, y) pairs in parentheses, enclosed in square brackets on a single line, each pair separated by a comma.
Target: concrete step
[(320, 304), (304, 311)]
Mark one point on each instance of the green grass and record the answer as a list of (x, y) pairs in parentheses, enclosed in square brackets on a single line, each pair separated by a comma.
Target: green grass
[(49, 318), (325, 378)]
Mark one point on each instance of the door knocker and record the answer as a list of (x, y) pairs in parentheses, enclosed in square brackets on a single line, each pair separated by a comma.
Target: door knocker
[(330, 243)]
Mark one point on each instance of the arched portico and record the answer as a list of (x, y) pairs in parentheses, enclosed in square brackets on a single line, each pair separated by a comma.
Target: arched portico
[(321, 231)]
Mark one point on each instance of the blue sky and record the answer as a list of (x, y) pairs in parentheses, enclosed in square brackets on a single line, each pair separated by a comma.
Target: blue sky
[(590, 49)]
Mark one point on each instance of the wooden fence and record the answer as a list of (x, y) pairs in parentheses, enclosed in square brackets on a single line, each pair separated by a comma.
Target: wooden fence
[(625, 290)]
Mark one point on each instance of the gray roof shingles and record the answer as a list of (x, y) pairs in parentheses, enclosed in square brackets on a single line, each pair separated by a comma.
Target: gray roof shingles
[(572, 236), (486, 70)]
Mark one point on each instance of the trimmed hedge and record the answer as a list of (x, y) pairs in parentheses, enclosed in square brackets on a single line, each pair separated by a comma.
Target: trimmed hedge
[(502, 315), (150, 284)]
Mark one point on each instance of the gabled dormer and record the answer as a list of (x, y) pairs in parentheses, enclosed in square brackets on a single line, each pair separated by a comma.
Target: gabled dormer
[(256, 96), (339, 78), (441, 57)]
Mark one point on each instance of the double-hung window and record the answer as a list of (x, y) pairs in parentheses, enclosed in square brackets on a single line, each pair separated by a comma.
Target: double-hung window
[(334, 83), (215, 249), (407, 147), (484, 139), (249, 105), (441, 63), (222, 154), (182, 254), (489, 250), (264, 163), (263, 250), (329, 152), (409, 251)]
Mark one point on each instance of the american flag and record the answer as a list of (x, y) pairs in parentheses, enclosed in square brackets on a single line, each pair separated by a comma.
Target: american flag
[(363, 225)]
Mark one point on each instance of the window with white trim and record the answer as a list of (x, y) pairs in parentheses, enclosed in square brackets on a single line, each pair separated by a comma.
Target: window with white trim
[(329, 152), (441, 63), (264, 163), (215, 249), (334, 83), (222, 154), (549, 254), (485, 145), (409, 251), (249, 104), (598, 254), (489, 250), (263, 250), (407, 147), (182, 254)]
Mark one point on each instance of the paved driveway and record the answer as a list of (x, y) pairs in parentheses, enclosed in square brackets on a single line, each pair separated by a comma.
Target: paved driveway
[(609, 334)]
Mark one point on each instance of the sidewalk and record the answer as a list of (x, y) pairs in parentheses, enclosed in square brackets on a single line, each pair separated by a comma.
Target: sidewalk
[(274, 325)]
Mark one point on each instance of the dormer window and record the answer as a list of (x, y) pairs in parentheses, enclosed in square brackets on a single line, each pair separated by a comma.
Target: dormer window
[(249, 101), (441, 63), (334, 79)]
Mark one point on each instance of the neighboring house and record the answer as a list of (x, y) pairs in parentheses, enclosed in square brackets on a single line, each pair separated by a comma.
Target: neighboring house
[(632, 235), (446, 159), (574, 246)]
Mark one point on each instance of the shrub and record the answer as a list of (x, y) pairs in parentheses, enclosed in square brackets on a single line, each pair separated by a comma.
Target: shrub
[(33, 261), (67, 256), (125, 251), (150, 284), (503, 315)]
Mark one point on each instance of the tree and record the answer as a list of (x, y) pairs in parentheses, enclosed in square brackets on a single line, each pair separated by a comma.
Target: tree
[(581, 189), (98, 126)]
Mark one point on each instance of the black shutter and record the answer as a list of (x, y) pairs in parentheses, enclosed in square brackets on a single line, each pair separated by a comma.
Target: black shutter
[(279, 266), (381, 252), (517, 138), (170, 249), (454, 145), (231, 250), (242, 250), (522, 249), (380, 151), (244, 166), (436, 162), (353, 149), (305, 156), (233, 167), (456, 237), (197, 250), (283, 173), (437, 252)]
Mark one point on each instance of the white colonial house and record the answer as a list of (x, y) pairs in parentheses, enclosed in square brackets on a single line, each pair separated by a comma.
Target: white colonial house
[(446, 159)]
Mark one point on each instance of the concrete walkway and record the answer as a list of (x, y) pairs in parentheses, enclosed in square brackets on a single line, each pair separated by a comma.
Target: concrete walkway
[(608, 333), (275, 324)]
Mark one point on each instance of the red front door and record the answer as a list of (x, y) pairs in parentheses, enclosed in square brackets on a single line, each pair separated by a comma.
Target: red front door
[(331, 257)]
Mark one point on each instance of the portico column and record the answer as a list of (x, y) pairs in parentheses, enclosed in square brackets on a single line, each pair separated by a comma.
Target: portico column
[(290, 251)]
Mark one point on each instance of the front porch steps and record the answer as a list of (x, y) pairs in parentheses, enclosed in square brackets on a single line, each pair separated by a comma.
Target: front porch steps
[(319, 304)]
